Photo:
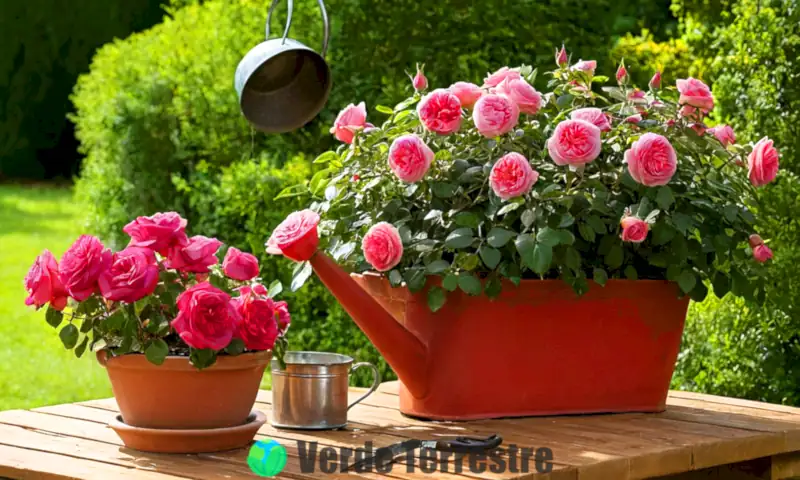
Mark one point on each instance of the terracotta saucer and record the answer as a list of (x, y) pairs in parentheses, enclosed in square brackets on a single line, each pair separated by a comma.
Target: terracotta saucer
[(188, 441)]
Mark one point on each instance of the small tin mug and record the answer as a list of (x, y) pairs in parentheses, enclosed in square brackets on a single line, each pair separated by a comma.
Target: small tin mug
[(311, 393)]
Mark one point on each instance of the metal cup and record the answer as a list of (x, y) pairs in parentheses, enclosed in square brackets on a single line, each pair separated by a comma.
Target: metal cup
[(281, 83), (311, 393)]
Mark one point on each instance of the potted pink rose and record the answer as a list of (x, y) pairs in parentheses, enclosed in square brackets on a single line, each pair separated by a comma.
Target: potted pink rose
[(184, 339), (549, 241)]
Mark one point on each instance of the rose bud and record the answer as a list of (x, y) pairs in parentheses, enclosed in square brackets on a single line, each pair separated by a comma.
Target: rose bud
[(419, 81)]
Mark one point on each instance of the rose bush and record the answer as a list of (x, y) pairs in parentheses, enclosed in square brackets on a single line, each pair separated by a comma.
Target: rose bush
[(164, 294), (595, 183)]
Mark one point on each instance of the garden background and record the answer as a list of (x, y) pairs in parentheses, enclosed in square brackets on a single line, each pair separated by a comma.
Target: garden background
[(114, 109)]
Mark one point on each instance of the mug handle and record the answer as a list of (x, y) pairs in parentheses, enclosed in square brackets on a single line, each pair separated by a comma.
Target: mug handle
[(325, 23), (376, 381)]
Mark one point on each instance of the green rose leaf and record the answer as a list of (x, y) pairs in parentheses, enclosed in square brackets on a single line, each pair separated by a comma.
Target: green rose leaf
[(587, 232), (202, 358), (572, 259), (436, 298), (395, 278), (415, 279), (450, 282), (498, 237), (467, 219), (542, 257), (444, 189), (81, 347), (53, 317), (469, 284), (528, 217), (156, 352), (600, 276), (630, 273), (493, 287), (525, 246), (731, 212), (275, 288), (301, 273), (459, 238), (721, 284), (597, 224), (490, 256), (236, 347), (69, 336), (437, 266), (687, 281), (664, 197), (614, 257), (548, 236), (509, 208), (699, 292)]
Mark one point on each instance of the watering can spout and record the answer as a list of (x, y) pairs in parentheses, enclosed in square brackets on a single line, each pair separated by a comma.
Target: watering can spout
[(402, 349)]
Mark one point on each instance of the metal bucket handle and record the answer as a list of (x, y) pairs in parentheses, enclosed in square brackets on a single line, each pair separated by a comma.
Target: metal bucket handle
[(325, 24), (376, 380)]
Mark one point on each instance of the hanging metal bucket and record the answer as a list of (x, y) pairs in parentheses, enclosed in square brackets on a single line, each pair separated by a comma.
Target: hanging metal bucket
[(281, 83)]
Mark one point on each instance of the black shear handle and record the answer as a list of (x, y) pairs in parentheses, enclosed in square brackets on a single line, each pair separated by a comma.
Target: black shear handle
[(471, 444)]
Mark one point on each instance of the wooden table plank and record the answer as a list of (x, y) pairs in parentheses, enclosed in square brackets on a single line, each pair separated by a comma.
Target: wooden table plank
[(696, 431)]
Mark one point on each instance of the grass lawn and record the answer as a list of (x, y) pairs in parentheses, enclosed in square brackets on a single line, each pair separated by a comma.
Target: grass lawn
[(35, 369)]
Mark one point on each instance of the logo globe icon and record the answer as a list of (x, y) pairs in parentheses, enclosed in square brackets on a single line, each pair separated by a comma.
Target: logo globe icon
[(267, 458)]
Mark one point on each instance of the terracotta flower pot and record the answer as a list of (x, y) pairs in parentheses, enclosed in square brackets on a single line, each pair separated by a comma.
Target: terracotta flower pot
[(175, 395)]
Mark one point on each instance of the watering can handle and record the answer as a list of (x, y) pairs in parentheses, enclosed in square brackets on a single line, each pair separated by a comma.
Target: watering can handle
[(325, 23), (376, 380)]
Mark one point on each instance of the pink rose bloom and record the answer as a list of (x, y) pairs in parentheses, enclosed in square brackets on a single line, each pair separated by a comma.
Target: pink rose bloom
[(561, 56), (723, 133), (633, 118), (382, 246), (755, 240), (655, 82), (282, 315), (349, 121), (495, 115), (622, 74), (296, 237), (651, 160), (419, 82), (257, 328), (497, 77), (696, 94), (43, 283), (637, 96), (206, 317), (520, 92), (196, 257), (574, 142), (440, 112), (467, 93), (159, 232), (595, 116), (587, 66), (239, 265), (512, 176), (81, 266), (133, 275), (634, 229), (410, 158), (762, 163), (762, 253)]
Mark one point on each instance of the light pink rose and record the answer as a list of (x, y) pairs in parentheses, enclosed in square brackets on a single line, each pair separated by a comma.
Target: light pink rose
[(467, 93), (382, 246), (561, 56), (637, 96), (762, 253), (410, 158), (595, 116), (574, 142), (159, 232), (239, 265), (723, 133), (655, 82), (495, 115), (206, 317), (587, 66), (81, 266), (196, 257), (512, 176), (43, 283), (696, 94), (633, 229), (258, 327), (651, 160), (636, 118), (419, 82), (133, 275), (762, 163), (349, 121), (520, 92), (440, 112), (296, 237), (497, 77)]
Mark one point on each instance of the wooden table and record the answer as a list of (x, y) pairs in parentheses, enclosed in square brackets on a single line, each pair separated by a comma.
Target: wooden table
[(707, 436)]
